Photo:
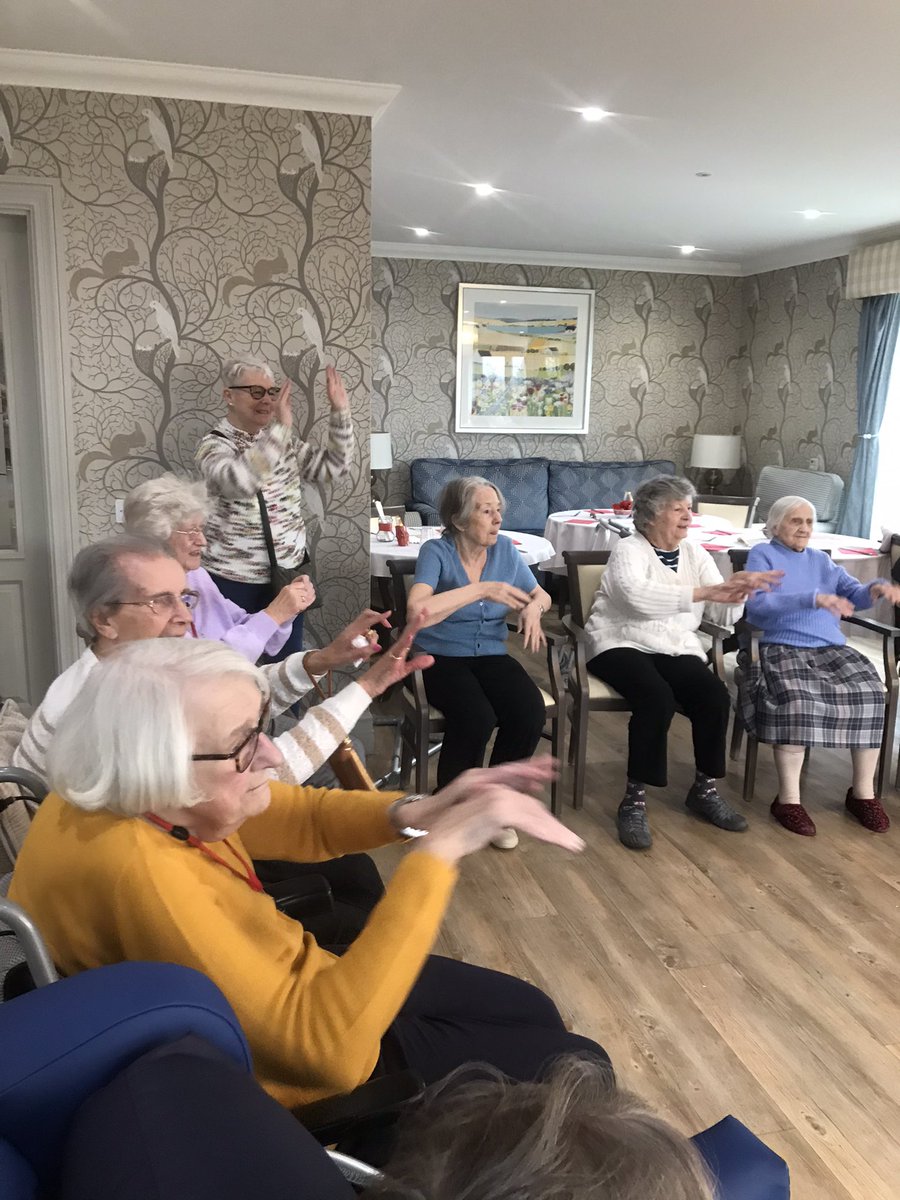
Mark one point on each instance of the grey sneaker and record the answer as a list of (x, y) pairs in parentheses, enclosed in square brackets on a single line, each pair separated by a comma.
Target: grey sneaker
[(631, 822), (707, 803)]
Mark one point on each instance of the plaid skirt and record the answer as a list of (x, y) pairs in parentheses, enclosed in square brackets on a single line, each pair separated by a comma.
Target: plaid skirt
[(812, 696)]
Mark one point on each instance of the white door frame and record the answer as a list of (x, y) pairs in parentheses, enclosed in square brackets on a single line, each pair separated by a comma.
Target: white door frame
[(40, 202)]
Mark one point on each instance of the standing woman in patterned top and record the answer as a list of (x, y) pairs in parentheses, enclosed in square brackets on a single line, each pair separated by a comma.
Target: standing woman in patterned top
[(254, 449)]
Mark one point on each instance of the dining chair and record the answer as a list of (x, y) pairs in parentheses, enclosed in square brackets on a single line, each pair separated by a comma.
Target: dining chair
[(739, 511), (587, 693), (423, 726)]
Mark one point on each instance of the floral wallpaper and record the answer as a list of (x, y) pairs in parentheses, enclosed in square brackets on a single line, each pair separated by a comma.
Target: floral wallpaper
[(665, 348), (772, 356), (797, 366), (194, 232)]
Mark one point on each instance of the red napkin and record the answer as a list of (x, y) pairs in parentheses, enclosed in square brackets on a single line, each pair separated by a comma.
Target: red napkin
[(515, 543), (857, 550), (603, 510), (713, 549), (580, 521)]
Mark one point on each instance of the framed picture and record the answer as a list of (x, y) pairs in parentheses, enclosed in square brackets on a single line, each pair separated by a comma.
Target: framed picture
[(523, 359)]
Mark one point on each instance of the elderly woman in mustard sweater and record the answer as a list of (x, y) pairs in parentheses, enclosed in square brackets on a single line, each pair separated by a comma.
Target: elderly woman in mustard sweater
[(163, 796)]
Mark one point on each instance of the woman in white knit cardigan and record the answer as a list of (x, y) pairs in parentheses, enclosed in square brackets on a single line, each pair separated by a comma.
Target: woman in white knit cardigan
[(643, 642)]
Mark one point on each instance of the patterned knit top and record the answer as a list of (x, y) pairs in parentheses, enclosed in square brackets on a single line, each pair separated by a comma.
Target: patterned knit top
[(235, 465)]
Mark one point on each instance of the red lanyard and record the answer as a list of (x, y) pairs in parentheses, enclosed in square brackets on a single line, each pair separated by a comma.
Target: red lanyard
[(179, 832), (194, 632)]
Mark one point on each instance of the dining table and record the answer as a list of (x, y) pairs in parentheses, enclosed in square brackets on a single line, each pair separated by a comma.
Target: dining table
[(531, 547)]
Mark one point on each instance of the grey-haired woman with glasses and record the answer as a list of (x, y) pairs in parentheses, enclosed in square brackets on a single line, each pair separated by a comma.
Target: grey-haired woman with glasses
[(254, 452)]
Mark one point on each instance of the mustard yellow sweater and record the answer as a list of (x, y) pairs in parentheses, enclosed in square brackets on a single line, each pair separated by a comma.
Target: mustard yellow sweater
[(104, 888)]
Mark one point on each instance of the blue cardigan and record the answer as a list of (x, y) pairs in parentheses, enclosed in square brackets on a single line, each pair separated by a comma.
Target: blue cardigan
[(478, 628), (788, 614)]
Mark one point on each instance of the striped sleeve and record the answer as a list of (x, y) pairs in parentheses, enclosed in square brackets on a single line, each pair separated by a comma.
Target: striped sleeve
[(31, 752), (314, 739), (287, 682), (240, 475), (333, 460)]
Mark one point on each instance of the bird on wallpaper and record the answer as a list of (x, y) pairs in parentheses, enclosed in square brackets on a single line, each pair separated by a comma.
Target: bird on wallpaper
[(159, 135), (310, 144), (165, 323), (311, 331)]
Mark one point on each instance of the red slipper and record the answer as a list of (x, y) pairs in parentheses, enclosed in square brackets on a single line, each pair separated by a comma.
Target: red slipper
[(793, 817), (870, 813)]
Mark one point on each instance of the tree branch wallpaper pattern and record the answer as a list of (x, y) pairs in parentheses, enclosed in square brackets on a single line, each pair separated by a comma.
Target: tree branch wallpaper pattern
[(772, 355), (194, 232)]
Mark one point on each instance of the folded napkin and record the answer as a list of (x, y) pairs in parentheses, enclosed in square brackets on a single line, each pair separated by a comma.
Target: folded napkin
[(581, 521), (858, 550), (713, 548), (604, 510)]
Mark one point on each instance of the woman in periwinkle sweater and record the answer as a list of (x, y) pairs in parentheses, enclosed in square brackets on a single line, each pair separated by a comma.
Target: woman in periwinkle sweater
[(810, 688)]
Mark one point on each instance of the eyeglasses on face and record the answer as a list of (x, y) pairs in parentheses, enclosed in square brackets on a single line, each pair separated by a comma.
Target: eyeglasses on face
[(245, 753), (194, 535), (165, 603), (255, 390)]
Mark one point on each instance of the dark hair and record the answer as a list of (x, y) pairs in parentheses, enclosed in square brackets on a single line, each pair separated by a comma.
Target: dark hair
[(457, 500), (572, 1136)]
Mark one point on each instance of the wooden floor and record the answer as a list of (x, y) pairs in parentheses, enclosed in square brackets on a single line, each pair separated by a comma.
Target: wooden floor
[(756, 974)]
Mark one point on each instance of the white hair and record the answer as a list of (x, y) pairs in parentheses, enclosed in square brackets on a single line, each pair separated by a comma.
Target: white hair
[(159, 506), (97, 581), (652, 497), (124, 745), (236, 368), (782, 508)]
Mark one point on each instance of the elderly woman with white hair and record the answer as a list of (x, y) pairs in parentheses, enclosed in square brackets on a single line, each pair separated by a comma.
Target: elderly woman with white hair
[(810, 688), (642, 640), (174, 511), (162, 796), (254, 465)]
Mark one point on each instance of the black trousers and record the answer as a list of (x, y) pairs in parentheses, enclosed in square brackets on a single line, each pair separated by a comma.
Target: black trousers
[(182, 1121), (476, 696), (356, 887), (653, 684), (458, 1013)]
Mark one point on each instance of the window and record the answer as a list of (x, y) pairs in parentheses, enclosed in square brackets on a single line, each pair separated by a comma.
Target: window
[(886, 497)]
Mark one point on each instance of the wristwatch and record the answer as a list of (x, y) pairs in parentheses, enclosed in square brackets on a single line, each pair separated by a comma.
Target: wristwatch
[(408, 831)]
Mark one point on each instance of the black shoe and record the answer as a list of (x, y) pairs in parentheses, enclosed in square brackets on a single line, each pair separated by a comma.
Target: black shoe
[(706, 802), (631, 822)]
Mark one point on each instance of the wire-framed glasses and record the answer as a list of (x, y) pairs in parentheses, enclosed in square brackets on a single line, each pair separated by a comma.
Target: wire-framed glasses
[(245, 753), (165, 603)]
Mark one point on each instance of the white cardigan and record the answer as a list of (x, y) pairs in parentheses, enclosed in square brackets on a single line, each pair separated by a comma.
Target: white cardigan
[(643, 605)]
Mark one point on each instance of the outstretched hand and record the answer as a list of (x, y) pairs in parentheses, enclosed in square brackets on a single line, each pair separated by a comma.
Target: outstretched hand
[(334, 387), (396, 664), (838, 606)]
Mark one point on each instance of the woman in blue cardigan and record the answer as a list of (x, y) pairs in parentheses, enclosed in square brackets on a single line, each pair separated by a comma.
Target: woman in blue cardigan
[(810, 688), (468, 580)]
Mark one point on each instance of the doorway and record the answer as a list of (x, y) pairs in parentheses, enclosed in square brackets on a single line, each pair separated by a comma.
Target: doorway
[(28, 652)]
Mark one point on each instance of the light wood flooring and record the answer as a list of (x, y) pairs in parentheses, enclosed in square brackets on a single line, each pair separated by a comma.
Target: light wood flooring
[(756, 974)]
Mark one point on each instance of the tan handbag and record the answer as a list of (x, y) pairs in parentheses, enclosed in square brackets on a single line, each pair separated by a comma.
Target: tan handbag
[(345, 762)]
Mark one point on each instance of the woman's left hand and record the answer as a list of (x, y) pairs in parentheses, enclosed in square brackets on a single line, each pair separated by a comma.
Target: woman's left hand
[(530, 776), (885, 591), (337, 393), (529, 624)]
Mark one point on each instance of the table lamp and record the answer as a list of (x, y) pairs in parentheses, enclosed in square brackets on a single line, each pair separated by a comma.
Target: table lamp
[(381, 459), (715, 453)]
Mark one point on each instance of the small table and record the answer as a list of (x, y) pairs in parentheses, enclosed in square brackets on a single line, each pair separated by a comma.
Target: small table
[(532, 548)]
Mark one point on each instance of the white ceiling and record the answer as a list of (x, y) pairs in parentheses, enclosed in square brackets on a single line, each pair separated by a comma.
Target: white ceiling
[(789, 104)]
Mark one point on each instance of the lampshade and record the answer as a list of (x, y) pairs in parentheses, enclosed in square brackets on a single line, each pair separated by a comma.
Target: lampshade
[(380, 452), (721, 451)]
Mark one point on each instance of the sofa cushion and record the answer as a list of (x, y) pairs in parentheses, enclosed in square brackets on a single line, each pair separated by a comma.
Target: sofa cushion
[(523, 482), (599, 484)]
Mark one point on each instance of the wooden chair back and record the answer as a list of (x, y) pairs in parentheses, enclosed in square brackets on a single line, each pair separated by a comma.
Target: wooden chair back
[(585, 570), (739, 511), (403, 572)]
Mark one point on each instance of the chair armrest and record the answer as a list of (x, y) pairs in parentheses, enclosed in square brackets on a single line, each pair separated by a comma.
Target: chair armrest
[(714, 630), (303, 896), (576, 632), (879, 627), (889, 635), (374, 1101)]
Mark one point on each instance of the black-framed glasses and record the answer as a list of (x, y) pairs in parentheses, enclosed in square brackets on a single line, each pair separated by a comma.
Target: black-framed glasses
[(256, 390), (165, 603), (245, 753)]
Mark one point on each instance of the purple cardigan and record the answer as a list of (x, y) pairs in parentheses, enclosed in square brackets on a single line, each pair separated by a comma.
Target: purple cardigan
[(220, 620)]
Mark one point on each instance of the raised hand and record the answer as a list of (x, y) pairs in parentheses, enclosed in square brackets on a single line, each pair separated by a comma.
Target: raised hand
[(885, 591), (394, 666), (839, 606), (284, 414), (337, 393), (357, 641)]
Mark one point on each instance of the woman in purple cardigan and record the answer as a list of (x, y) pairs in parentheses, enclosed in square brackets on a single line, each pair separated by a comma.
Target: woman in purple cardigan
[(174, 510), (810, 688)]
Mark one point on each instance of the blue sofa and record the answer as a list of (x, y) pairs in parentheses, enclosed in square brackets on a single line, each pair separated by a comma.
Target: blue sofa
[(533, 487)]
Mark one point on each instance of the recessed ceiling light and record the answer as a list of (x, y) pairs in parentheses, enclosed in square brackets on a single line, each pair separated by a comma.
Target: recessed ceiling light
[(594, 114), (503, 301), (811, 214), (484, 189), (687, 249), (420, 231)]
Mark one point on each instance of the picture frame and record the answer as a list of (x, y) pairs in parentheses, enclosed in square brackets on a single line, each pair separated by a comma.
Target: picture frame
[(523, 359)]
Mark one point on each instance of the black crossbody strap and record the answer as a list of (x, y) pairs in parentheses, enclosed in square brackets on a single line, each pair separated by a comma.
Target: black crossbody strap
[(267, 532)]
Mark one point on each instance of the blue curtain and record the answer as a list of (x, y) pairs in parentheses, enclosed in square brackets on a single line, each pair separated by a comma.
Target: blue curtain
[(879, 323)]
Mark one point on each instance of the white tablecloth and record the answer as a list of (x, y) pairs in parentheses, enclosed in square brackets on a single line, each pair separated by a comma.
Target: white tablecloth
[(533, 549)]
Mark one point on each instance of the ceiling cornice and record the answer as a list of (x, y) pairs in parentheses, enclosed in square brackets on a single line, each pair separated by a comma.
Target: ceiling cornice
[(556, 258), (180, 81)]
